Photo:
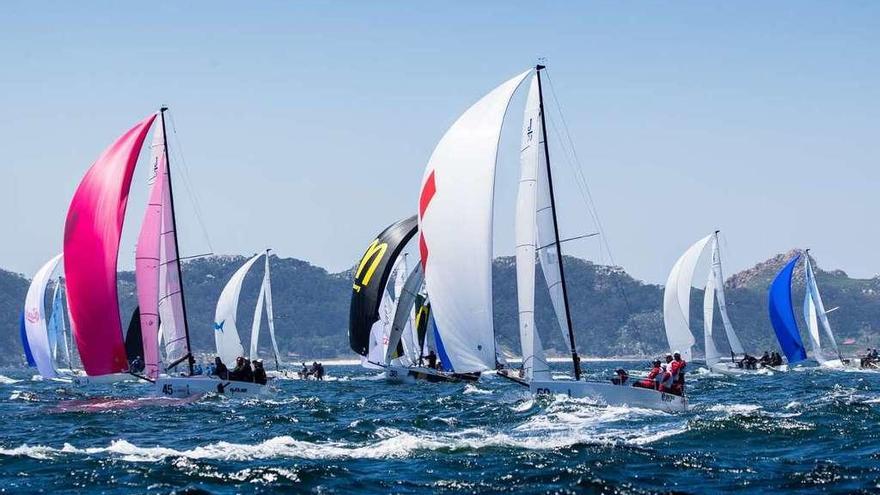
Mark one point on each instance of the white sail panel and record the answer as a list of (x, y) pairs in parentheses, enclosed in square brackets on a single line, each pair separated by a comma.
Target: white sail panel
[(718, 275), (455, 230), (812, 289), (270, 313), (225, 331), (401, 326), (35, 319), (813, 327), (531, 160), (712, 354), (170, 291), (255, 325), (677, 299)]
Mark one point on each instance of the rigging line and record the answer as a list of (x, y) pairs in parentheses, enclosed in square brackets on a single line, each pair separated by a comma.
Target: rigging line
[(187, 182), (586, 188), (579, 171)]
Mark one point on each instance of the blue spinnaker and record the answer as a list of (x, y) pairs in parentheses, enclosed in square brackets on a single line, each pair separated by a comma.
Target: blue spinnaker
[(24, 343), (445, 363), (782, 315)]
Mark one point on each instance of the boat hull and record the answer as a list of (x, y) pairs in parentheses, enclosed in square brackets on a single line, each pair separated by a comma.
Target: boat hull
[(400, 374), (187, 386), (731, 369), (611, 395)]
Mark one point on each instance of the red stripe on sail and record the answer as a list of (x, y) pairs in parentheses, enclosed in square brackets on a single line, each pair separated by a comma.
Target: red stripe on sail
[(91, 247), (428, 191)]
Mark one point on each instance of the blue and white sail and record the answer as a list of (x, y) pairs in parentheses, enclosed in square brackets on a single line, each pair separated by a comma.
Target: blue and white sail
[(782, 314), (35, 320)]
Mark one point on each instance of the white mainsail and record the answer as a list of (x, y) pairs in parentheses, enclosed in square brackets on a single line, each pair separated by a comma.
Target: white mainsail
[(677, 299), (712, 354), (264, 297), (718, 275), (225, 331), (171, 315), (35, 319), (401, 327), (455, 230), (531, 160), (57, 326), (814, 313)]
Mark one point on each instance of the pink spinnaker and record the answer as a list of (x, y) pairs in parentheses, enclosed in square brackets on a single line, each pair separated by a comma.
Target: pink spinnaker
[(147, 258), (91, 247)]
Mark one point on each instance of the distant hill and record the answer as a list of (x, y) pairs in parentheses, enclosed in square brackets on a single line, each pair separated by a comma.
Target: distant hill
[(613, 314)]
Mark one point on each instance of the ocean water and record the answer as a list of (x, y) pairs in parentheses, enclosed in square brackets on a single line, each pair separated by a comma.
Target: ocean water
[(804, 431)]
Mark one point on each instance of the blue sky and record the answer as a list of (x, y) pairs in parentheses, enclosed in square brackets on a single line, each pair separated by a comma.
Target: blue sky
[(305, 126)]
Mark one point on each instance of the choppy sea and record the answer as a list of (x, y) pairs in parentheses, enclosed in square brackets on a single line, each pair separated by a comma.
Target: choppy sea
[(804, 431)]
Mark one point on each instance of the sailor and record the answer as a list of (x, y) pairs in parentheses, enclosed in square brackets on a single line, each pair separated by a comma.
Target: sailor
[(319, 374), (220, 369), (650, 380), (676, 369), (432, 359), (776, 359), (304, 372), (260, 372), (237, 373), (247, 373), (765, 359), (621, 378), (664, 379), (136, 365)]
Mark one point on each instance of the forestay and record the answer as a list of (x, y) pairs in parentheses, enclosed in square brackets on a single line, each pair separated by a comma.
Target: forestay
[(35, 320), (677, 299), (455, 223), (530, 218)]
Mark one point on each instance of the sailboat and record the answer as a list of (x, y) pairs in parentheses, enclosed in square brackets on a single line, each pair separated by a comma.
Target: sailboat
[(47, 337), (226, 334), (383, 328), (676, 308), (455, 244), (785, 325)]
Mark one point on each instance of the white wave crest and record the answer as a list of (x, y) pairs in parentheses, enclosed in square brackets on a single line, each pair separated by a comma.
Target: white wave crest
[(5, 380)]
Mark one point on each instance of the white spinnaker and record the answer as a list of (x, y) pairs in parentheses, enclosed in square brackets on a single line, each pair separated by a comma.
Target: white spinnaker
[(718, 275), (35, 319), (531, 159), (712, 354), (225, 331), (677, 299), (455, 229), (816, 298)]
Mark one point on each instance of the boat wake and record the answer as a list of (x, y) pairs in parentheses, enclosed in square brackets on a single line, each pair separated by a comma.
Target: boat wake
[(103, 404)]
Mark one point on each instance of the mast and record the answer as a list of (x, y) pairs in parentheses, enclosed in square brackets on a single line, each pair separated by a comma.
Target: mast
[(575, 359), (189, 356)]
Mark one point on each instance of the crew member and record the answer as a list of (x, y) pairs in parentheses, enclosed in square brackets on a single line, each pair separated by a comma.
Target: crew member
[(432, 359), (220, 369), (676, 369), (260, 372)]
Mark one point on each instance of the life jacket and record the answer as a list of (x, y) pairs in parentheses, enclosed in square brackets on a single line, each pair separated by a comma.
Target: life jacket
[(676, 368), (653, 373)]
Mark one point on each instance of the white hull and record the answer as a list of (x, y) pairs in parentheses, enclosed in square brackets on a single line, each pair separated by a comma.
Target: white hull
[(403, 374), (731, 369), (186, 386), (611, 395), (85, 380)]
